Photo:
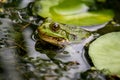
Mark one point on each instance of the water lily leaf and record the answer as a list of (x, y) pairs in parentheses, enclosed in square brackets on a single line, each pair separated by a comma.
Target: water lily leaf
[(66, 8), (105, 52), (73, 12), (85, 19), (42, 7)]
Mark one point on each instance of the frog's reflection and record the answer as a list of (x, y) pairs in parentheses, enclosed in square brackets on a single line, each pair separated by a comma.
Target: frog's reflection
[(71, 54), (47, 48), (52, 51)]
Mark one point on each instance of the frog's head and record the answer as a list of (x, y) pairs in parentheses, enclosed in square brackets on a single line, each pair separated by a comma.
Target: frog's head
[(53, 33)]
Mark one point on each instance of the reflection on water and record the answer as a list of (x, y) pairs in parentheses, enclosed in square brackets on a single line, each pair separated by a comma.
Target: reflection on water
[(72, 53), (31, 45), (7, 51), (24, 3)]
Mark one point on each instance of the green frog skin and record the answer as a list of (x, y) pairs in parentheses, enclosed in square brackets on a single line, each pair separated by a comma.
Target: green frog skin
[(60, 34)]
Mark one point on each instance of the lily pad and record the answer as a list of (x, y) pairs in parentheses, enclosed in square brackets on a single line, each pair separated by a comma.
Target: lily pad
[(42, 7), (85, 19), (73, 12), (66, 8), (105, 52)]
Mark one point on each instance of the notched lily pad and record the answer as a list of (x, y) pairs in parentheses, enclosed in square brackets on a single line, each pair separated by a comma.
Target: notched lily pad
[(76, 12), (105, 52)]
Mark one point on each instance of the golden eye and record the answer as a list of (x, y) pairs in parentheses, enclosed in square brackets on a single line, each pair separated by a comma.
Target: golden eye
[(54, 26)]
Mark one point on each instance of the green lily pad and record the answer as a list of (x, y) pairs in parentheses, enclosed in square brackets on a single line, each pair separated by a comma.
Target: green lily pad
[(105, 52), (73, 12), (42, 7), (85, 19), (66, 8)]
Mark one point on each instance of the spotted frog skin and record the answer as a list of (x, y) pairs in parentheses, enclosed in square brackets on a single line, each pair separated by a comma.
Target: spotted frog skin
[(60, 34)]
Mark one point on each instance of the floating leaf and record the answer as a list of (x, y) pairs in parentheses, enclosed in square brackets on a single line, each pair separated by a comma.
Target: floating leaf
[(105, 52), (85, 19), (42, 7), (73, 12)]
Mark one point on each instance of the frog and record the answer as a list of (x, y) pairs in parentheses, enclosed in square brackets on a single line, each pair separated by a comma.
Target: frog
[(60, 34)]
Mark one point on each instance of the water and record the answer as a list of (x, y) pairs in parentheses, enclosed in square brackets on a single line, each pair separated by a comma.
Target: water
[(7, 50)]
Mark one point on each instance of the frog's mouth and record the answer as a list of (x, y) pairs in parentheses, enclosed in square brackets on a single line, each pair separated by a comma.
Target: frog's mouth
[(58, 41)]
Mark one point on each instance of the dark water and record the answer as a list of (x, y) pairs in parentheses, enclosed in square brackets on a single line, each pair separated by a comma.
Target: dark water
[(24, 58)]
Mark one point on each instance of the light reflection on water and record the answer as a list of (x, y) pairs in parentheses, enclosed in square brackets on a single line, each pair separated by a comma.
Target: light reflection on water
[(7, 51), (24, 3), (31, 45)]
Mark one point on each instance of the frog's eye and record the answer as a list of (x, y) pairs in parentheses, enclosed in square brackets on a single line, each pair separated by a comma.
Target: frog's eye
[(54, 26)]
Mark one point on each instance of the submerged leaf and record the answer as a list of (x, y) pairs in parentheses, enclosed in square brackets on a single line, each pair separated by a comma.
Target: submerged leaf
[(105, 52)]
